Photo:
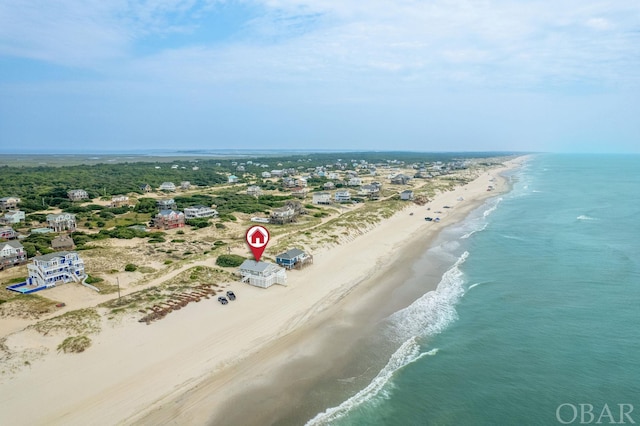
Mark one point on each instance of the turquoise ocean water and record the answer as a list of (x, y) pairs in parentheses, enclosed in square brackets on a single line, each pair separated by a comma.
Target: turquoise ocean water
[(539, 312)]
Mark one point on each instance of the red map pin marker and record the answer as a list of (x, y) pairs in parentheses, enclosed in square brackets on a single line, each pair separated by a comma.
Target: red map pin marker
[(257, 238)]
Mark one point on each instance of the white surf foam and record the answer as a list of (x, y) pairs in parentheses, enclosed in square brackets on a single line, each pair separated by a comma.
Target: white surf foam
[(585, 217), (407, 353), (470, 233), (434, 311)]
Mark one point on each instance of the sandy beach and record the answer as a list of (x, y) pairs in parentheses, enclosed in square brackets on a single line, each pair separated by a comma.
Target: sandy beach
[(203, 363)]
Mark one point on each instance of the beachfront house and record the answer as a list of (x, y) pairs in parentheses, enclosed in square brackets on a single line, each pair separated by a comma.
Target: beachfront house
[(198, 212), (406, 195), (262, 274), (294, 258), (167, 186), (341, 196), (166, 204), (321, 198), (61, 222), (9, 203), (77, 194), (11, 254), (168, 219), (13, 217), (55, 268)]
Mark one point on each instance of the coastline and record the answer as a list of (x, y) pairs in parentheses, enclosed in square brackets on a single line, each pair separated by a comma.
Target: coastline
[(193, 366)]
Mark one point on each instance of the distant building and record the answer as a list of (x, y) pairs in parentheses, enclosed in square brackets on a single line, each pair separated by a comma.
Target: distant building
[(55, 268), (232, 179), (406, 195), (9, 203), (299, 192), (283, 215), (254, 190), (77, 194), (119, 201), (185, 185), (293, 258), (321, 198), (13, 217), (400, 179), (341, 196), (329, 185), (168, 219), (262, 274), (354, 181), (63, 242), (168, 186), (61, 222), (7, 233), (266, 175), (197, 212), (146, 188), (166, 204), (11, 254)]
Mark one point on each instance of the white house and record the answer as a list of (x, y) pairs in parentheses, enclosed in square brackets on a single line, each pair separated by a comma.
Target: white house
[(329, 185), (254, 190), (7, 233), (233, 179), (11, 253), (185, 185), (342, 196), (277, 173), (262, 274), (13, 216), (321, 198), (301, 182), (166, 204), (55, 268), (197, 212), (61, 222), (406, 195), (266, 175), (354, 181), (77, 194), (119, 201), (167, 186)]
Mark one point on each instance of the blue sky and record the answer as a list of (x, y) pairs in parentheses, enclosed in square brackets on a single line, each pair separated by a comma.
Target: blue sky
[(439, 75)]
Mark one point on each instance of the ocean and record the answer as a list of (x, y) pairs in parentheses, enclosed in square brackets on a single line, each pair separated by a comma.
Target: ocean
[(537, 319)]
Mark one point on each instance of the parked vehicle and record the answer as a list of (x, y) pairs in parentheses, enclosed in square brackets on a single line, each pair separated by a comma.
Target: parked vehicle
[(428, 219), (231, 295), (223, 300)]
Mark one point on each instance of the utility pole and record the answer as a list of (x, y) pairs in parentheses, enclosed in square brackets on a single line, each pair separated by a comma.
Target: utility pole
[(118, 280)]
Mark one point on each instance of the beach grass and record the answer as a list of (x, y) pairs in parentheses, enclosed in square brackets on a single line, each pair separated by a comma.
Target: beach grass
[(74, 344), (79, 321)]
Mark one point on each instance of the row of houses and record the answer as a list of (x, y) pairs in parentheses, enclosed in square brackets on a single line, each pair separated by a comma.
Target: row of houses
[(170, 219)]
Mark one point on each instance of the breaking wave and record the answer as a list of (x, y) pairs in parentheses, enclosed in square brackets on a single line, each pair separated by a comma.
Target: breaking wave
[(406, 354), (585, 217), (427, 316)]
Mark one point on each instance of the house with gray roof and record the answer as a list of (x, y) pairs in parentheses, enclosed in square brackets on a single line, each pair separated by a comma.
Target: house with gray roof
[(262, 274), (293, 258), (11, 254), (55, 268)]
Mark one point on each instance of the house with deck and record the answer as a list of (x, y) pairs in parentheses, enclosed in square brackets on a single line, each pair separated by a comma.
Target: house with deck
[(169, 219), (294, 258), (7, 233), (55, 268), (341, 196), (321, 198), (262, 274), (370, 191), (77, 195), (299, 192), (166, 204), (282, 215), (198, 212), (61, 222), (9, 203), (11, 254)]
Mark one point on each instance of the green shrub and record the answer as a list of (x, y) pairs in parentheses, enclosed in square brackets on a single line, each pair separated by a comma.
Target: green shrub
[(220, 226), (230, 260), (130, 267)]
